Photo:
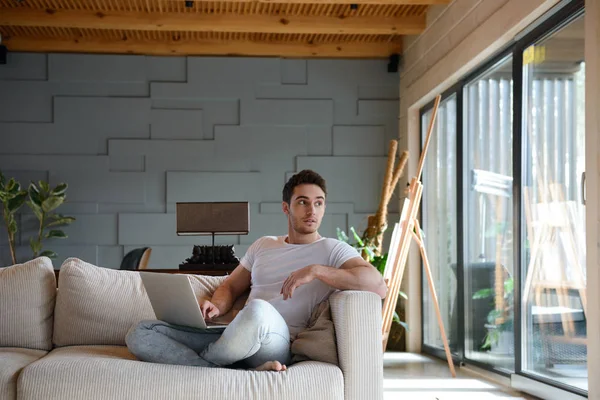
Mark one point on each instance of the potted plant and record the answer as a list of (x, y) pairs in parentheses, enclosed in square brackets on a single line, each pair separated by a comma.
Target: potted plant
[(43, 201), (12, 198), (500, 320), (378, 261)]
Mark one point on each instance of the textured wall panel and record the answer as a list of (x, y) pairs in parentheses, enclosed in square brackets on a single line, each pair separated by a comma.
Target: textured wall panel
[(24, 177), (351, 178), (176, 124), (94, 229), (127, 163), (70, 208), (84, 252), (287, 112), (54, 163), (99, 89), (167, 69), (161, 148), (24, 66), (378, 108), (121, 187), (293, 72), (25, 101), (214, 112), (133, 135), (105, 117), (96, 68), (160, 229), (250, 148), (320, 141), (359, 140), (110, 256), (213, 186)]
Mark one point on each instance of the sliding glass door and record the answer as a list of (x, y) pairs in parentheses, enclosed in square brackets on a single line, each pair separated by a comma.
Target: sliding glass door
[(504, 209), (440, 223), (488, 239), (554, 282)]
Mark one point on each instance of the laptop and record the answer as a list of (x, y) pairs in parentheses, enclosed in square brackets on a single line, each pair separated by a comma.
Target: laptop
[(173, 300)]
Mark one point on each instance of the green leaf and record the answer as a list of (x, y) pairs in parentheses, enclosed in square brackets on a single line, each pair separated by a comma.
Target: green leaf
[(61, 188), (48, 253), (12, 227), (56, 234), (52, 203), (12, 184), (493, 315), (16, 202), (403, 295), (356, 237), (61, 221), (341, 235), (35, 245), (508, 286), (483, 293), (34, 195), (396, 319), (404, 325), (2, 180), (36, 210), (44, 186)]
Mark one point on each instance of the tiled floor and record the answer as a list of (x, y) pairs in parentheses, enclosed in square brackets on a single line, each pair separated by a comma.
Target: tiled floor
[(418, 377)]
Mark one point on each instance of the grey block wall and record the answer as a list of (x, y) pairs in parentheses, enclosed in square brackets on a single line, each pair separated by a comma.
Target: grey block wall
[(133, 135)]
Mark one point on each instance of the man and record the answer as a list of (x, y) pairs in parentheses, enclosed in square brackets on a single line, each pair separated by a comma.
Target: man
[(287, 277)]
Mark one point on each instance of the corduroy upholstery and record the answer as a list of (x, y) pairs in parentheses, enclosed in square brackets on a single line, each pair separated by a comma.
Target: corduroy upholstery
[(96, 306)]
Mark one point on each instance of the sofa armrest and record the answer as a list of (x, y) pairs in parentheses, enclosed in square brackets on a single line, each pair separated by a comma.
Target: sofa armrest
[(357, 319)]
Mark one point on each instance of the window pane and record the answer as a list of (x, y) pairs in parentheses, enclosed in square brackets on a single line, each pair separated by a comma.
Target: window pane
[(554, 305), (488, 216), (439, 223)]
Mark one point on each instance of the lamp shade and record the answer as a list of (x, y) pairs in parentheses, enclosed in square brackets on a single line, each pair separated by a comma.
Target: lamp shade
[(208, 218)]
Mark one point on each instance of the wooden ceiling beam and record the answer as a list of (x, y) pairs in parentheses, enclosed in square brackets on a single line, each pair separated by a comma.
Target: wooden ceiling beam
[(359, 2), (196, 22), (205, 47)]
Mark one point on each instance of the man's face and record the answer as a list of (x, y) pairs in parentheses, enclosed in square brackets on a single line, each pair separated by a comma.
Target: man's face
[(306, 209)]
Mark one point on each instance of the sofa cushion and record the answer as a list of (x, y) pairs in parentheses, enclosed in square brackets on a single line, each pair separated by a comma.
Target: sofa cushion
[(27, 295), (317, 342), (97, 306), (110, 372), (12, 361)]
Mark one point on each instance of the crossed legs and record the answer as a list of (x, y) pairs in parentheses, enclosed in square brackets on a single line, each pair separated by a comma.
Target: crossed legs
[(258, 337)]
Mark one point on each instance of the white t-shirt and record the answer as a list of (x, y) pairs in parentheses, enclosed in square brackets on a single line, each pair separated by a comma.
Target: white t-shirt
[(271, 260)]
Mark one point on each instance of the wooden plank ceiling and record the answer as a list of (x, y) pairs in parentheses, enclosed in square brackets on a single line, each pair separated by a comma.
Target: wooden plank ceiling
[(286, 28)]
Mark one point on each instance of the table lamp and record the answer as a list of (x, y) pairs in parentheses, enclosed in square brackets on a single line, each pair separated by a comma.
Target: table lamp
[(212, 218)]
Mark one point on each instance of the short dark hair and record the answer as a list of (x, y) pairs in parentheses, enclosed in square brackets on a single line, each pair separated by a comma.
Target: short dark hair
[(306, 176)]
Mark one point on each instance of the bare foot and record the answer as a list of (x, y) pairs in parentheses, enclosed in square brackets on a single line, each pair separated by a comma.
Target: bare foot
[(272, 366)]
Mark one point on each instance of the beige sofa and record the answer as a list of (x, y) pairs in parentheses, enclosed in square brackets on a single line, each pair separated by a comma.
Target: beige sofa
[(70, 343)]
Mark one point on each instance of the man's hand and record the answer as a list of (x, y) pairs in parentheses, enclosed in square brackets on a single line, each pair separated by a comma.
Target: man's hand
[(298, 278), (209, 310)]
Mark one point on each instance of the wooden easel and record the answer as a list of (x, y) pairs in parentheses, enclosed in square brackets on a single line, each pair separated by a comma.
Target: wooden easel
[(409, 227), (555, 229)]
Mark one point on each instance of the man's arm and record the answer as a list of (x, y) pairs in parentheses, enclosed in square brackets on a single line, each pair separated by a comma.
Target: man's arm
[(354, 274), (234, 286)]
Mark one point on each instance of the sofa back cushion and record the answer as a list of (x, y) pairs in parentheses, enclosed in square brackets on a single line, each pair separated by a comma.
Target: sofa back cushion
[(27, 295), (97, 306)]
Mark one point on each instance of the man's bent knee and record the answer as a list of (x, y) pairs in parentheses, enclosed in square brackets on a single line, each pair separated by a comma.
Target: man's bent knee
[(137, 331)]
